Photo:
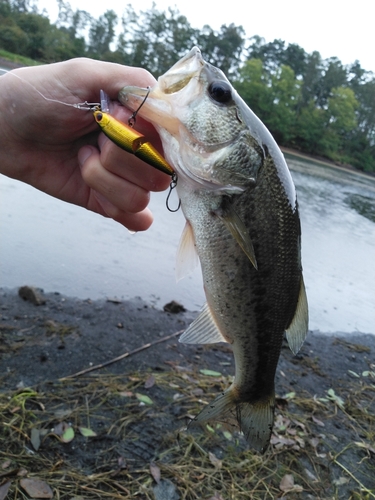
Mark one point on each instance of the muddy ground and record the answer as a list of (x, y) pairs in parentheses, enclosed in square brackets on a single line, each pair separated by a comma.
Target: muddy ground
[(43, 344)]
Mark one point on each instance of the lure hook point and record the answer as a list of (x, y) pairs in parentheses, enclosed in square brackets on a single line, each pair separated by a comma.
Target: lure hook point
[(172, 186)]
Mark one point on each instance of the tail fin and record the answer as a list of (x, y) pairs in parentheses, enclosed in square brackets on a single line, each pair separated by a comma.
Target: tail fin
[(255, 419)]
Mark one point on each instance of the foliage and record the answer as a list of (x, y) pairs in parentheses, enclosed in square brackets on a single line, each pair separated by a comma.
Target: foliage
[(318, 106)]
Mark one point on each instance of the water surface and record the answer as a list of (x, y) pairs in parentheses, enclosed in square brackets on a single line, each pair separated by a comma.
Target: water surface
[(63, 248)]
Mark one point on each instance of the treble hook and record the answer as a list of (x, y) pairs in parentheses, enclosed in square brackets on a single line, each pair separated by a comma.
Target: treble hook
[(132, 118), (172, 186)]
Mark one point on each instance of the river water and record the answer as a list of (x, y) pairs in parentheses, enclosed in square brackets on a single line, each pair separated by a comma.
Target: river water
[(63, 248)]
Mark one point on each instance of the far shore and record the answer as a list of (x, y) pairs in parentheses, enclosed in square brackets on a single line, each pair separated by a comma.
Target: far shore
[(7, 64)]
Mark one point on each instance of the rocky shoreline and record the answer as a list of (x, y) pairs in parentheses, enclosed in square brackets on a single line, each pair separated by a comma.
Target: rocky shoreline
[(47, 340)]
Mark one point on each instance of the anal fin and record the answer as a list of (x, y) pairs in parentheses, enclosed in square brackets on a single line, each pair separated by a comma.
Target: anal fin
[(203, 330)]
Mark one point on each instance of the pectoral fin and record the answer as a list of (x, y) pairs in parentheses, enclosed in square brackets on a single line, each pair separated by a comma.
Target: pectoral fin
[(297, 330), (203, 330), (239, 232), (187, 257)]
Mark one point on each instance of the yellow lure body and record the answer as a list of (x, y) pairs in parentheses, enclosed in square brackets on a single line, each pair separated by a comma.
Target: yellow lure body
[(131, 141)]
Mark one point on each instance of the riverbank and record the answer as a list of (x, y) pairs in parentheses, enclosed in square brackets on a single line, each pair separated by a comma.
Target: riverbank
[(137, 406), (295, 154)]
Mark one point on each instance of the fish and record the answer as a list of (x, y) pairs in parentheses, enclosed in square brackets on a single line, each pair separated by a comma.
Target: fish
[(242, 221)]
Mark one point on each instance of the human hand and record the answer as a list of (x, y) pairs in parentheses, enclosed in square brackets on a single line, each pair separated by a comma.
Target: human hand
[(59, 149)]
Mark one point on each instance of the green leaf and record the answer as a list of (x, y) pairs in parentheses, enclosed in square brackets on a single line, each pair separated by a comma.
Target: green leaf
[(227, 435), (68, 435), (144, 399), (290, 395), (87, 432), (210, 373)]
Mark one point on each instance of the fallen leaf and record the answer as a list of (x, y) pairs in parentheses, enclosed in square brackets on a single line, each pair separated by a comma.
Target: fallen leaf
[(227, 435), (150, 382), (216, 462), (4, 490), (144, 399), (126, 394), (36, 488), (216, 496), (287, 483), (340, 481), (210, 373), (290, 395), (155, 472), (280, 441), (35, 438), (87, 432), (6, 464), (68, 435), (197, 392), (317, 421), (59, 429)]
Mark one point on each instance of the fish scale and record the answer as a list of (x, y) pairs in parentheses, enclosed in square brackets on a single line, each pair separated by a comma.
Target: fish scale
[(240, 205)]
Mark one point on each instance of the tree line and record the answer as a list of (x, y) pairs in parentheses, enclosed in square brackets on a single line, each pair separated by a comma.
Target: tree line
[(318, 106)]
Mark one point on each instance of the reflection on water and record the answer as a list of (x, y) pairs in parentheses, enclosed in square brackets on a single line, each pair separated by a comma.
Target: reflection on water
[(60, 247), (364, 205)]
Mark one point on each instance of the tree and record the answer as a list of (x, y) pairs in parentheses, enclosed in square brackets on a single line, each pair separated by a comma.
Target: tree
[(155, 40), (254, 87), (223, 48), (102, 34), (285, 89)]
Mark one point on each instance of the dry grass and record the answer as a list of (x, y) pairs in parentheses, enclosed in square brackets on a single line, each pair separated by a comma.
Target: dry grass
[(326, 444)]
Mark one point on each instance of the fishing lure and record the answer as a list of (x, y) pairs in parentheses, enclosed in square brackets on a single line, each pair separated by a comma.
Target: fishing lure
[(127, 138)]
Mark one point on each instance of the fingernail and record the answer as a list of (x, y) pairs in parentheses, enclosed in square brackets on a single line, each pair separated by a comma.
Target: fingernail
[(83, 154)]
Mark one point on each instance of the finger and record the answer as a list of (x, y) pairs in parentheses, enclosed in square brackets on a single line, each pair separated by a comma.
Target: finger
[(131, 168), (134, 222), (124, 195)]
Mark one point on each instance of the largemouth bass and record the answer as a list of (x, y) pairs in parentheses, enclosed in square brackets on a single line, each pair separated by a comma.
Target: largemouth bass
[(242, 219)]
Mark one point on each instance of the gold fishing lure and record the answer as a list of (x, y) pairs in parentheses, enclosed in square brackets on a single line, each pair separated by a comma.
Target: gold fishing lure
[(129, 139)]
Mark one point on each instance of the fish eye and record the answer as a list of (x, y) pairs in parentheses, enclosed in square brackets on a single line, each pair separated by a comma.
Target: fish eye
[(220, 92)]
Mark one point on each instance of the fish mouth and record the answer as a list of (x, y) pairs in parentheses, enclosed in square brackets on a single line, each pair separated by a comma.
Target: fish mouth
[(182, 72), (155, 104)]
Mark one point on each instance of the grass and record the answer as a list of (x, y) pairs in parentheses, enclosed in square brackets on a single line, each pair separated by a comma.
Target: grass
[(17, 59), (139, 443)]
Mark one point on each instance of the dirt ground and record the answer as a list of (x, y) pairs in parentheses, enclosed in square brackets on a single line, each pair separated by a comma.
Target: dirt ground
[(326, 396)]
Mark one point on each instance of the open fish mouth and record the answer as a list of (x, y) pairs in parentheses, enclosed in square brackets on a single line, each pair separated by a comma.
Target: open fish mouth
[(182, 72), (176, 79)]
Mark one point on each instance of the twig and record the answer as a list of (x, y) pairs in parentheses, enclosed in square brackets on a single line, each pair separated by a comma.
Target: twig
[(122, 356)]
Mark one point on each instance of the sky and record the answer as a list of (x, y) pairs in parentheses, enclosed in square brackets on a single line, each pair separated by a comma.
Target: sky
[(332, 27)]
